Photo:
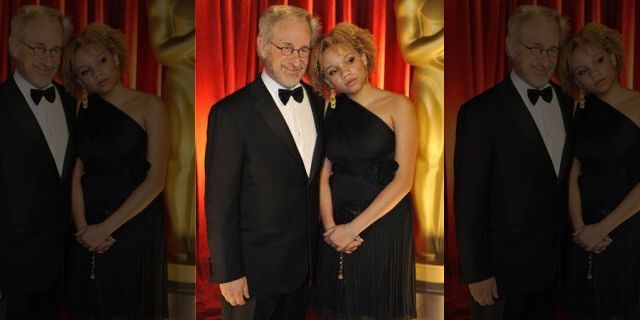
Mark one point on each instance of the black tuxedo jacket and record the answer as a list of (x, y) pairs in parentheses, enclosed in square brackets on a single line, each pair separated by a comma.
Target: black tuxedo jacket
[(510, 207), (261, 208), (34, 198)]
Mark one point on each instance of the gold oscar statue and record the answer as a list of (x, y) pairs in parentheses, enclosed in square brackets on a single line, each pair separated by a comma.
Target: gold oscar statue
[(420, 29), (172, 33)]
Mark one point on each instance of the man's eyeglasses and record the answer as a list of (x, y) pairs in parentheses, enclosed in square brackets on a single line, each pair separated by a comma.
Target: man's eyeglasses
[(39, 50), (288, 50), (552, 52)]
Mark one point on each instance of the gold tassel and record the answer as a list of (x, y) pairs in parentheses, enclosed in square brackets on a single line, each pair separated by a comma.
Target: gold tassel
[(590, 266), (340, 268), (92, 275)]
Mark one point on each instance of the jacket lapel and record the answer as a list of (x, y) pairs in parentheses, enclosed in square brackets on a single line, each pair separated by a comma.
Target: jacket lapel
[(267, 108), (69, 106), (318, 109), (19, 108), (516, 108), (567, 150)]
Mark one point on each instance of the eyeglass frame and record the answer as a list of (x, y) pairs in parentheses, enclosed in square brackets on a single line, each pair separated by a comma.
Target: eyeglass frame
[(282, 50), (55, 52), (551, 54)]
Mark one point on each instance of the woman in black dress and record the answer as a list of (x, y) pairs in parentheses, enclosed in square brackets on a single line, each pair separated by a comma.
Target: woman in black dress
[(118, 267), (603, 278), (366, 267)]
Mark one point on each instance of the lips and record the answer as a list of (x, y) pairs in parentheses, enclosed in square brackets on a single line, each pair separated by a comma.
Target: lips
[(599, 82), (350, 82), (103, 82)]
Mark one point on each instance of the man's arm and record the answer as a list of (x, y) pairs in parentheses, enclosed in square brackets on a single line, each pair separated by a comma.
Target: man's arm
[(472, 175), (223, 174)]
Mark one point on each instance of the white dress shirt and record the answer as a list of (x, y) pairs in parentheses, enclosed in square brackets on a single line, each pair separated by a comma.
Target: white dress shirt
[(548, 119), (299, 119), (50, 117)]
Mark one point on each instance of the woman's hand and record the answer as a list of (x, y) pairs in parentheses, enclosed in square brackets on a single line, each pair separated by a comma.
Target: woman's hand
[(342, 239), (591, 238), (94, 238)]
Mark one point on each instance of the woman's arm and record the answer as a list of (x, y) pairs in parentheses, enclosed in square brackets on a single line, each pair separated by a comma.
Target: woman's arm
[(405, 128), (591, 235), (326, 206), (77, 197), (575, 204), (156, 123)]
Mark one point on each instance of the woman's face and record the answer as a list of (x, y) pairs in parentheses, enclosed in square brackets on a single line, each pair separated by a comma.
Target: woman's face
[(594, 70), (96, 69), (344, 69)]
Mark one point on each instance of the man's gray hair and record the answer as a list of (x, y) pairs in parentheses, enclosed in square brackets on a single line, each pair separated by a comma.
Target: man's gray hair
[(276, 13), (26, 14), (525, 13)]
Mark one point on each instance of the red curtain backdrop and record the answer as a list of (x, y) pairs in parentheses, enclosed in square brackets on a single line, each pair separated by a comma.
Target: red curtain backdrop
[(144, 73), (476, 53), (226, 61)]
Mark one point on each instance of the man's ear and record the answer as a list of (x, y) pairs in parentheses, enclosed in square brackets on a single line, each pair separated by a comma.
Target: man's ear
[(510, 43), (260, 47), (13, 47)]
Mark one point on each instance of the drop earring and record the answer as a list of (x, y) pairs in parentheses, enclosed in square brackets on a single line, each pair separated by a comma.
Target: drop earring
[(85, 99), (581, 99), (332, 99)]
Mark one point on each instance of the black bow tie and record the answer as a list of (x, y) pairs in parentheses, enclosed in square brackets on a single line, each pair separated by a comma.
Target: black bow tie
[(49, 94), (286, 94), (545, 93)]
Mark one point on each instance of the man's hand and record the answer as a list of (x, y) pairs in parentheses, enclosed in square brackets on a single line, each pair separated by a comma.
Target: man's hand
[(484, 292), (235, 291)]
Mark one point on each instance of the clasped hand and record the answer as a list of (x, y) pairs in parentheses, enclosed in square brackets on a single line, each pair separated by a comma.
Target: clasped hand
[(342, 239), (94, 239), (591, 238)]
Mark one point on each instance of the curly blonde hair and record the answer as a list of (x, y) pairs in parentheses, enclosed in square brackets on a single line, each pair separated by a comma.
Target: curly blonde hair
[(95, 35), (343, 34), (593, 35)]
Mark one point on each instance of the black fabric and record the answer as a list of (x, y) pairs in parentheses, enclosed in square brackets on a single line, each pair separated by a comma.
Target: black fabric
[(285, 94), (535, 94), (538, 306), (131, 277), (40, 306), (290, 306), (49, 94), (261, 206), (378, 277), (510, 206), (608, 148), (34, 196)]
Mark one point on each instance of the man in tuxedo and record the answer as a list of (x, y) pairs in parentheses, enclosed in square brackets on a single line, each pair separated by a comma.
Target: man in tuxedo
[(36, 157), (264, 151), (511, 161)]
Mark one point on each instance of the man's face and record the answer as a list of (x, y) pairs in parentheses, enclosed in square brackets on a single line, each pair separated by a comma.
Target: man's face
[(40, 64), (535, 52), (285, 69)]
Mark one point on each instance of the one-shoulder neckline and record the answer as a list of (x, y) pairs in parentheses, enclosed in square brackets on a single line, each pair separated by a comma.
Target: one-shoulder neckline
[(377, 117), (118, 110), (616, 110)]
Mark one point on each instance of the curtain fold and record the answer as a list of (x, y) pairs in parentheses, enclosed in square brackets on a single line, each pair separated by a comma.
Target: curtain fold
[(226, 61), (477, 60)]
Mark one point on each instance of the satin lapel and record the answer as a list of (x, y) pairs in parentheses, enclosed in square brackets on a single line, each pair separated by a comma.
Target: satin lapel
[(516, 108), (267, 108), (17, 106), (566, 110), (317, 108), (69, 106)]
